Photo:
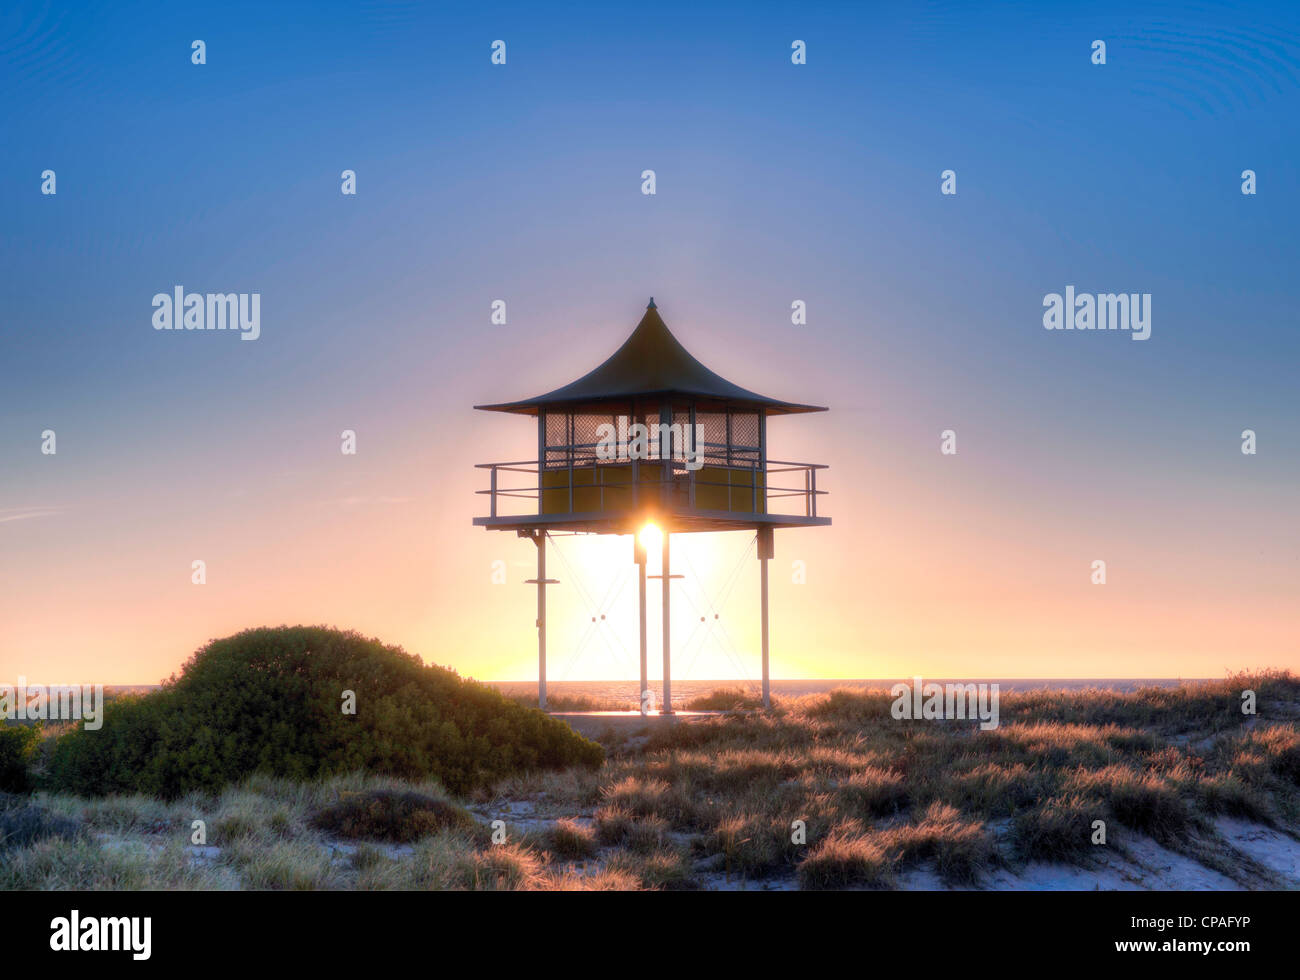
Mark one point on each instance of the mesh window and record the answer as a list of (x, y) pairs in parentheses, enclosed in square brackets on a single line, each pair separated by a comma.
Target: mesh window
[(679, 438), (744, 430), (725, 438), (623, 428), (586, 429), (587, 435), (557, 429), (558, 441), (713, 436)]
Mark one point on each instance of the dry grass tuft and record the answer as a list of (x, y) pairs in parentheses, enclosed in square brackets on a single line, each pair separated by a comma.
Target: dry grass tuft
[(385, 815), (571, 841)]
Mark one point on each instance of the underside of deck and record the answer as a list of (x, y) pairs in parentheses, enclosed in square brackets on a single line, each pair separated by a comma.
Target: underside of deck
[(675, 522)]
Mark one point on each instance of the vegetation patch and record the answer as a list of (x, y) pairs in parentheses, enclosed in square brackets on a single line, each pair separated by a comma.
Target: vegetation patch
[(570, 840), (826, 791), (271, 701), (1059, 830), (725, 699), (24, 824), (1143, 801), (873, 792), (17, 745), (388, 815), (847, 859)]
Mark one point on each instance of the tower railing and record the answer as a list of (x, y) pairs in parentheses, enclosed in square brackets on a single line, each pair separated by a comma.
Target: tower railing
[(621, 484)]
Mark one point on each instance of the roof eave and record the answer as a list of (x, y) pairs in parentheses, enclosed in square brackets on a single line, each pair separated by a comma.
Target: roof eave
[(767, 406)]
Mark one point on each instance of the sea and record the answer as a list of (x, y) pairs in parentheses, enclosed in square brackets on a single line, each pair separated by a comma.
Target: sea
[(620, 692)]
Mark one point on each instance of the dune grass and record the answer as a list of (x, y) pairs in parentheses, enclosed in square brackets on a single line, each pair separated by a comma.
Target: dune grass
[(388, 815), (824, 791)]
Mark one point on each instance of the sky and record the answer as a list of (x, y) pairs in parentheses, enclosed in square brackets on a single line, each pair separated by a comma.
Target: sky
[(775, 182)]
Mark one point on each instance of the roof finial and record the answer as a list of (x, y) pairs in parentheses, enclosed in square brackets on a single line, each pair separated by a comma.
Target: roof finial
[(651, 305)]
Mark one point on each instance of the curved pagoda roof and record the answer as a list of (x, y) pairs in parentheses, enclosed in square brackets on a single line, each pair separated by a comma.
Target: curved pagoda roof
[(651, 362)]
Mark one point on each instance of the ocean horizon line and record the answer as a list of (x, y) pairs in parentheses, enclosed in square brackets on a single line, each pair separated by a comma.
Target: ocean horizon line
[(551, 682)]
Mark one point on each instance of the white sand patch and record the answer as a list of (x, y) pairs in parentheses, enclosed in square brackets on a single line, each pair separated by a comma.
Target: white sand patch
[(1275, 851), (528, 815), (204, 854), (521, 815), (715, 882), (394, 851), (206, 857), (1146, 866)]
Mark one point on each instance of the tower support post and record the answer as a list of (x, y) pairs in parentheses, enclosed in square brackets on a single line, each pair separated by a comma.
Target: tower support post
[(667, 707), (540, 541), (639, 556), (766, 549)]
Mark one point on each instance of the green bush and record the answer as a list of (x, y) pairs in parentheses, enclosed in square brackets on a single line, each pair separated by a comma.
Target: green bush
[(17, 743), (270, 700)]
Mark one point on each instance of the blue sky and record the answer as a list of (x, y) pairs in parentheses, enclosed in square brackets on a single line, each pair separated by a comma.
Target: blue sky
[(522, 182)]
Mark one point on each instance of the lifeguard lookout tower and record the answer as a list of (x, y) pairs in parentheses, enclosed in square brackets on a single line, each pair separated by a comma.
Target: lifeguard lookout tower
[(703, 468)]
